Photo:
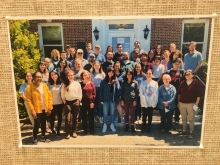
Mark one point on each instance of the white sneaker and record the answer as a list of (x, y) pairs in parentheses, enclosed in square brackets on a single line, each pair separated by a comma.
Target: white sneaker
[(48, 130), (104, 128), (112, 127), (122, 120), (101, 119)]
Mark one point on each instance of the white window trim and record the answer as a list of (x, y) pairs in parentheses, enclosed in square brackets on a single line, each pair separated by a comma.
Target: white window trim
[(204, 48), (40, 33)]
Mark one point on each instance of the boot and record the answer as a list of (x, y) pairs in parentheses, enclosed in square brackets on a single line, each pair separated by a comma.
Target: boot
[(126, 128), (132, 129)]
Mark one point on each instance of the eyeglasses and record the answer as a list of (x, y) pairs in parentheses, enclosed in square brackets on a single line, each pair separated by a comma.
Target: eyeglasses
[(38, 77), (119, 47), (79, 53)]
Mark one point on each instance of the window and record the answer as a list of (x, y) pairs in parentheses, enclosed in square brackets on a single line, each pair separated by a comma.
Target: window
[(120, 26), (195, 30), (51, 37)]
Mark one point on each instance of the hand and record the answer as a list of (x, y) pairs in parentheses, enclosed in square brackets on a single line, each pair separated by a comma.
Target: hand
[(91, 105), (166, 104), (34, 114), (134, 103), (122, 103), (48, 113), (77, 103), (102, 103), (197, 104)]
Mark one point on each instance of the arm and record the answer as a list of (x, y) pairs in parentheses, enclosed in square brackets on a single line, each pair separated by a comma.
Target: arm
[(79, 91), (63, 93), (101, 92), (93, 92), (198, 66), (160, 99), (173, 97), (29, 98), (136, 91), (50, 100), (155, 100)]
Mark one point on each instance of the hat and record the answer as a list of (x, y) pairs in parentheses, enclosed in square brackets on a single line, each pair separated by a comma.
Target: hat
[(97, 46), (92, 55)]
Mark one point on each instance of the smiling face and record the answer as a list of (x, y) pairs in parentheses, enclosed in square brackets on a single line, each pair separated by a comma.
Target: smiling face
[(151, 54), (28, 77), (138, 68), (125, 56), (110, 74), (149, 74), (166, 79), (70, 76), (189, 76), (77, 65), (117, 67), (38, 78), (119, 48), (166, 55), (86, 76), (96, 66), (54, 76), (42, 67), (63, 56)]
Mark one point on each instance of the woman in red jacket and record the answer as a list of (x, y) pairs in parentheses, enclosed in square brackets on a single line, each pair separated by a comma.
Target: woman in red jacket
[(189, 94), (88, 99)]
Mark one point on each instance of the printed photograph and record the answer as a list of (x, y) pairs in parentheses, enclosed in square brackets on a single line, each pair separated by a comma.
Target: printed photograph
[(136, 82)]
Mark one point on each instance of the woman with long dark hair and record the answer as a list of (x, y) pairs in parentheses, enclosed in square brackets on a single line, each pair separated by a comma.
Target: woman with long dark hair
[(129, 96), (109, 91), (139, 76), (109, 49), (159, 51), (71, 94), (62, 69), (151, 56), (43, 70), (39, 102), (88, 100), (174, 55), (55, 88)]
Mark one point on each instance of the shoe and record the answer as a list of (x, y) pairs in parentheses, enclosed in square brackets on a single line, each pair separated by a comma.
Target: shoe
[(74, 135), (44, 139), (169, 132), (58, 133), (84, 133), (176, 122), (39, 130), (95, 121), (68, 136), (126, 128), (48, 130), (101, 119), (35, 142), (116, 119), (112, 127), (92, 132), (140, 121), (122, 120), (104, 128), (162, 131), (53, 132), (132, 129)]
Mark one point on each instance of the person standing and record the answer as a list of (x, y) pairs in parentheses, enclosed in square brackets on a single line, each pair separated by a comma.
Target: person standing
[(145, 65), (39, 102), (88, 100), (71, 94), (109, 62), (192, 59), (62, 69), (98, 56), (129, 96), (136, 59), (166, 103), (22, 91), (91, 60), (158, 70), (79, 55), (78, 69), (189, 94), (55, 57), (126, 64), (109, 91), (118, 55), (109, 49), (48, 64), (148, 98), (64, 57), (151, 56), (88, 51), (159, 51), (137, 46), (42, 68), (166, 59), (55, 88)]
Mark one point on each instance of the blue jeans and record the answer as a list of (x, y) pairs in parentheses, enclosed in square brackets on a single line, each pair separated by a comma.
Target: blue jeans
[(98, 107), (166, 119), (105, 111)]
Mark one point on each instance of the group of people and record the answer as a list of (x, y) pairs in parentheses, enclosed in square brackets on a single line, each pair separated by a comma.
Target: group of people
[(95, 86)]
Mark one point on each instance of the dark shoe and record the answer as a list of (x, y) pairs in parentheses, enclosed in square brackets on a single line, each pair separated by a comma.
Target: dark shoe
[(176, 122), (132, 129), (126, 128), (35, 142), (53, 132), (169, 132), (143, 129), (44, 139), (92, 132), (58, 133), (182, 133), (148, 130), (84, 133)]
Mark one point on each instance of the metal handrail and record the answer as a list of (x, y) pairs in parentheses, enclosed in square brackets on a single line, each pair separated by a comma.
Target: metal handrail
[(200, 80)]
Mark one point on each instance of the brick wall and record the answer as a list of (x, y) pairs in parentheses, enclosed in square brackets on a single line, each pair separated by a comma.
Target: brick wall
[(73, 30)]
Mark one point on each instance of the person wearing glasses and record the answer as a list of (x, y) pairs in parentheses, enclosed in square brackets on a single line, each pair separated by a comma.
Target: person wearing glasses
[(189, 94), (79, 55), (118, 55), (39, 102)]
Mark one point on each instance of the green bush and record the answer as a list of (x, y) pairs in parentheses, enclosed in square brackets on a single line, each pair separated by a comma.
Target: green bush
[(25, 54)]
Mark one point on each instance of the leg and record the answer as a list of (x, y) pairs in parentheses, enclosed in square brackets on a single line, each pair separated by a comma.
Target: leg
[(150, 114), (75, 112), (67, 119), (84, 110), (91, 121), (138, 109), (59, 116), (191, 116), (177, 111), (132, 112), (43, 123), (52, 117), (126, 109), (163, 119), (119, 108), (144, 119), (183, 112), (169, 119), (36, 126), (105, 112), (112, 111)]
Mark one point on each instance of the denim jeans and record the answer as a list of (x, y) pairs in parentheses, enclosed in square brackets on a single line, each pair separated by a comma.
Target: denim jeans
[(105, 111), (98, 108), (166, 119)]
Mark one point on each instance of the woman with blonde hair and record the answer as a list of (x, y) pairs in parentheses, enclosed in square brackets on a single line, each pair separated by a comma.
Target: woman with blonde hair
[(55, 57), (71, 94)]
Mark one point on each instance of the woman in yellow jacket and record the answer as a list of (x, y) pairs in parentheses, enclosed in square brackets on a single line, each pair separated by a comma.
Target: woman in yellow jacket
[(39, 102)]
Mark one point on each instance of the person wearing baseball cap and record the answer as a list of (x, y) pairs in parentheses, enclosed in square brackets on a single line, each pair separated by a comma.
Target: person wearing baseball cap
[(88, 66), (98, 56)]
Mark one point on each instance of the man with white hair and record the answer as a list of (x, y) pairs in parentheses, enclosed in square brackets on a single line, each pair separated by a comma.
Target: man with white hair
[(79, 55)]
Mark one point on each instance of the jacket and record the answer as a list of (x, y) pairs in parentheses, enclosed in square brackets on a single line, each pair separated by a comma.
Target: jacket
[(128, 66), (166, 95), (34, 98)]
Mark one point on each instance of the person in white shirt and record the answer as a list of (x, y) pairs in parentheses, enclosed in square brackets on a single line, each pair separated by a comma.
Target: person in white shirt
[(148, 97), (71, 94), (158, 70)]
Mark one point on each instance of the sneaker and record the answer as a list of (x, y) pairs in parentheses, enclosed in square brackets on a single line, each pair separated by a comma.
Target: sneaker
[(122, 120), (53, 132), (39, 130), (104, 128), (112, 127), (68, 136), (48, 130), (35, 142), (101, 119), (95, 121), (58, 133), (74, 135), (116, 119), (44, 139)]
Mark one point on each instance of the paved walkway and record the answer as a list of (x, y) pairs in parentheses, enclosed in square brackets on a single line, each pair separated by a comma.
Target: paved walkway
[(155, 138)]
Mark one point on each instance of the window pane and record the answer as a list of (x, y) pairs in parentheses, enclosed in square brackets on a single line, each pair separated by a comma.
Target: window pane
[(51, 35), (120, 26), (186, 50), (194, 32), (48, 49)]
